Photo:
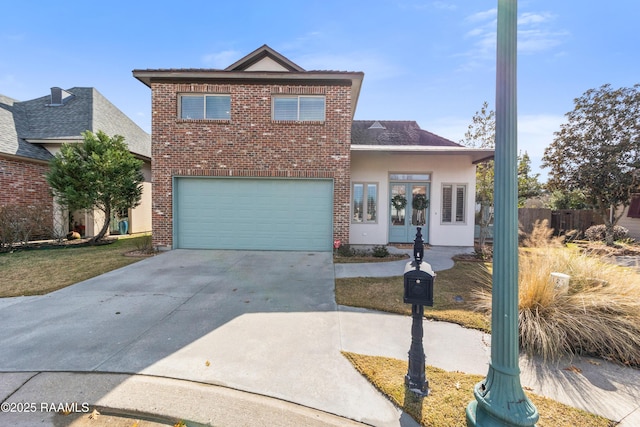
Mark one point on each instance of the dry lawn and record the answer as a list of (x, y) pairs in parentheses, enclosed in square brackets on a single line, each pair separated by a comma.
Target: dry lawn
[(39, 271), (450, 394), (453, 291)]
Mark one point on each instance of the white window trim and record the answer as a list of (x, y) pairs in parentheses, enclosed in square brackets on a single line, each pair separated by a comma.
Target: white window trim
[(297, 97), (365, 193), (204, 95), (454, 186)]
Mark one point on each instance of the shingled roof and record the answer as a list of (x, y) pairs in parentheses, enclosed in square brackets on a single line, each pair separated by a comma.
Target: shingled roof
[(387, 132), (11, 124), (22, 124)]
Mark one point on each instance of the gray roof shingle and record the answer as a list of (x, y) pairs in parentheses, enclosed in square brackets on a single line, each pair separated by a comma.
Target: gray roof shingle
[(86, 110), (391, 132), (12, 122)]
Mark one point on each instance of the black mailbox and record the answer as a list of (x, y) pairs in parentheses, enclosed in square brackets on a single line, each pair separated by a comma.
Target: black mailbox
[(418, 283)]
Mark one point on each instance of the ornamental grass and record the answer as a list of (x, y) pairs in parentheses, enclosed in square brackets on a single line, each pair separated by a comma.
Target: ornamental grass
[(597, 314)]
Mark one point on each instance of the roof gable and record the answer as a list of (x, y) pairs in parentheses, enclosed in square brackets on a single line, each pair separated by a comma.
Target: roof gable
[(264, 59)]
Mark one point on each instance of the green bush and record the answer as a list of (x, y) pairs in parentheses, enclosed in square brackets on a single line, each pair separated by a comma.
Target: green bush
[(380, 252), (346, 250)]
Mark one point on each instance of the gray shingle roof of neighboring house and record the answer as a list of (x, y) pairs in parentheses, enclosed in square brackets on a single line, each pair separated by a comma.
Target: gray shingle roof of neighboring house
[(86, 109), (383, 132), (10, 126)]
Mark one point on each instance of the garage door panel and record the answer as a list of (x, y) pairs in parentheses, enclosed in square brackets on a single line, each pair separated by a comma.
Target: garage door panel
[(224, 213)]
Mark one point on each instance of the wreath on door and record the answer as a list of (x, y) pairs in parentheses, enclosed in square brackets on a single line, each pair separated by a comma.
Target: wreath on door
[(399, 202), (420, 202)]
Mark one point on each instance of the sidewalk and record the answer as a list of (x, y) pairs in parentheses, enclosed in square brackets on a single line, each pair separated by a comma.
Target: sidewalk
[(597, 386), (303, 380)]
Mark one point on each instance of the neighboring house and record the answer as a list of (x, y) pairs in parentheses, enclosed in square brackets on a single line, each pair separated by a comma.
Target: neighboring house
[(631, 218), (31, 132), (266, 155)]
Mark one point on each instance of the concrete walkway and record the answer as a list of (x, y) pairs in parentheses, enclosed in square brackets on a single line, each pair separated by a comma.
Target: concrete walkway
[(234, 338)]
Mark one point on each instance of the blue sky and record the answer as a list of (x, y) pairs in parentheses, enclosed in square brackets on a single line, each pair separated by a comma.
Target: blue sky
[(432, 61)]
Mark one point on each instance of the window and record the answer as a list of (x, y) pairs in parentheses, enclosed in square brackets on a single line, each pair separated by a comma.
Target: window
[(410, 177), (210, 107), (453, 203), (298, 108), (365, 203)]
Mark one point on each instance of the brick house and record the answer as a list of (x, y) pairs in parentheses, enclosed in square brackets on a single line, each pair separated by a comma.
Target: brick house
[(266, 155), (32, 132)]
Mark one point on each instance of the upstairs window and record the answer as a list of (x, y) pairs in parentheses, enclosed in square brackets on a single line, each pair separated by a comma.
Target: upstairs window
[(298, 108), (209, 107)]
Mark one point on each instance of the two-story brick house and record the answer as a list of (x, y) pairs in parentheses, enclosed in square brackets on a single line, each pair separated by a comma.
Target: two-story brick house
[(33, 131), (260, 156)]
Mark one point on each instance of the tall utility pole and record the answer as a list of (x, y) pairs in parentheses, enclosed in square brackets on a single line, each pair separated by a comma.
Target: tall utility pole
[(500, 400)]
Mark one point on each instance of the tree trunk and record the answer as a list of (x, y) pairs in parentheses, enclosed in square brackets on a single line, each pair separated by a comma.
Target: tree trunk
[(105, 226), (485, 221)]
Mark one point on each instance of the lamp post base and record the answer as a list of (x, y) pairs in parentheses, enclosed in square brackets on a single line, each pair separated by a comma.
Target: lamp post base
[(421, 389)]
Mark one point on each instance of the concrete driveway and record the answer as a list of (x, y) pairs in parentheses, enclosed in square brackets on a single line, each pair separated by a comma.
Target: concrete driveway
[(264, 322)]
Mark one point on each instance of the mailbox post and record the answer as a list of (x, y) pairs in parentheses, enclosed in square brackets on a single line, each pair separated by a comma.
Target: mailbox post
[(418, 291)]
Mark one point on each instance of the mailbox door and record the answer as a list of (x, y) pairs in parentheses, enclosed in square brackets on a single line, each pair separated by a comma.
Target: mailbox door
[(418, 288)]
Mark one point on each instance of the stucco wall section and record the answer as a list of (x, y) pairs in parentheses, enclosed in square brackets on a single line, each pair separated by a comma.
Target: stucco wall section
[(444, 169)]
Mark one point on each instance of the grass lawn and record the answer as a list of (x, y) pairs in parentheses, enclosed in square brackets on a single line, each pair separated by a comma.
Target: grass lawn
[(450, 394), (453, 289), (39, 271)]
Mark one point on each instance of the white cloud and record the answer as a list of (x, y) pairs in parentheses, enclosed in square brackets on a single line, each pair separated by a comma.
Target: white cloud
[(529, 18), (535, 34), (221, 59), (444, 5), (490, 15)]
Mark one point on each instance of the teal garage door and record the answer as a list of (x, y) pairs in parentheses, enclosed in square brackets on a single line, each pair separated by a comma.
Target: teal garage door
[(253, 213)]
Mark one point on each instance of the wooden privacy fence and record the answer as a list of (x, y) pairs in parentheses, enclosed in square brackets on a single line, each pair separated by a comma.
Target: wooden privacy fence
[(561, 220)]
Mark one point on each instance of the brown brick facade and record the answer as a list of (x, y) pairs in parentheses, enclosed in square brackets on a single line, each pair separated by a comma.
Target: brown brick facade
[(23, 183), (250, 144)]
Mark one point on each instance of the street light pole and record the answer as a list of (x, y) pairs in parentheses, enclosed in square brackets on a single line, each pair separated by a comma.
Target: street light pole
[(500, 400)]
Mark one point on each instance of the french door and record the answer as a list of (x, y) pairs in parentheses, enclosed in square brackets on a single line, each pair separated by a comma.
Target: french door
[(409, 210)]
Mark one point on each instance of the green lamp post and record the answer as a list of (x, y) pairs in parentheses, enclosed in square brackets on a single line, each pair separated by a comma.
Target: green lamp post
[(500, 400)]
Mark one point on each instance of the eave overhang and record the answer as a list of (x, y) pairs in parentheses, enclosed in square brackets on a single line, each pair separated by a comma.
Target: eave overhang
[(351, 78), (477, 155)]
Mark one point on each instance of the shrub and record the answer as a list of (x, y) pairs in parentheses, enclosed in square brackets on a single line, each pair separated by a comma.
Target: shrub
[(145, 244), (597, 232), (380, 252), (346, 250), (21, 224), (598, 315)]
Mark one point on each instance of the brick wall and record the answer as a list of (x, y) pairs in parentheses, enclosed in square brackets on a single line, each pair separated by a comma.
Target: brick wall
[(249, 144), (23, 183)]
